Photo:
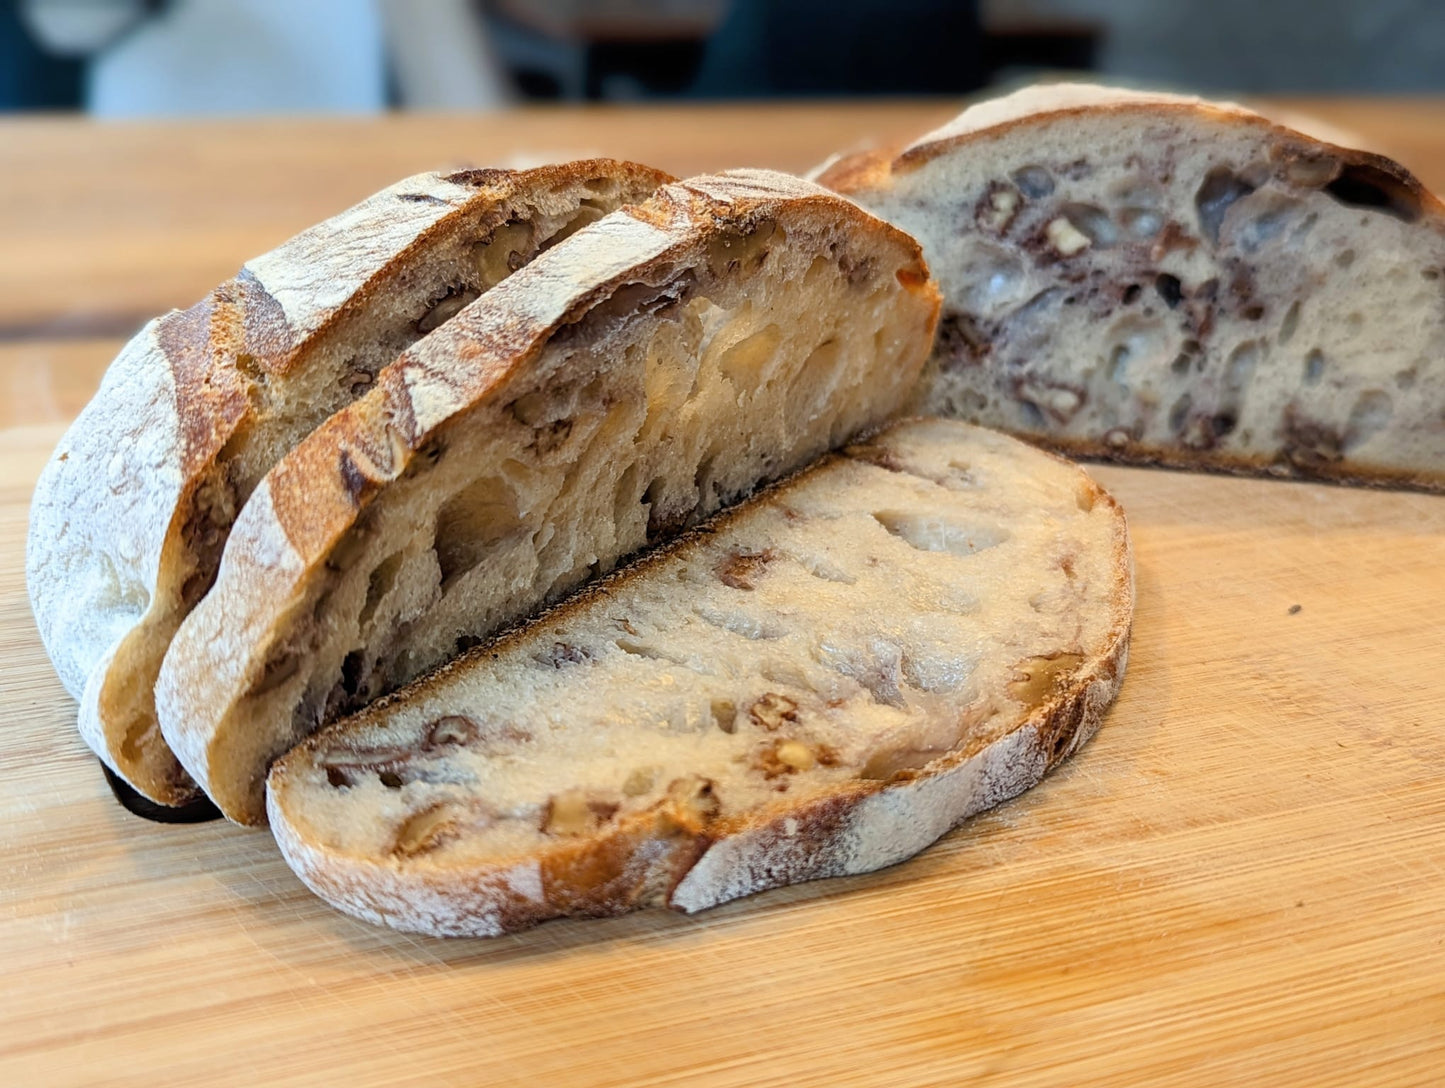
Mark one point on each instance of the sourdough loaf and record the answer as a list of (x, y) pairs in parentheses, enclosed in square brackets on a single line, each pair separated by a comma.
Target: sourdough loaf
[(1159, 279), (659, 364), (130, 515), (822, 681)]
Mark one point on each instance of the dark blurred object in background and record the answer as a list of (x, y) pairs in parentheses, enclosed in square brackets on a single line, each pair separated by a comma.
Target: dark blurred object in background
[(145, 58), (857, 47), (31, 78), (619, 49)]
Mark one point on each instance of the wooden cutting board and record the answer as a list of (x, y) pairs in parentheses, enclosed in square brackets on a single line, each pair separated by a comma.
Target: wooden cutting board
[(1241, 880)]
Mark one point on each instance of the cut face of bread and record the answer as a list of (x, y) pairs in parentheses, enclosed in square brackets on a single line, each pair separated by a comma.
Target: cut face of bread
[(1159, 279), (132, 512), (658, 365), (822, 682)]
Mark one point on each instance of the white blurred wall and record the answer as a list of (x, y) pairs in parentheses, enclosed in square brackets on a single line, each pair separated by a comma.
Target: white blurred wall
[(245, 56)]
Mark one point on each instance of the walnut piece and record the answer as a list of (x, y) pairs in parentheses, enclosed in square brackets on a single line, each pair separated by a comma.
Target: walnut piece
[(451, 731), (575, 812), (1065, 237), (741, 570), (430, 827), (691, 804), (502, 254), (771, 710), (791, 757)]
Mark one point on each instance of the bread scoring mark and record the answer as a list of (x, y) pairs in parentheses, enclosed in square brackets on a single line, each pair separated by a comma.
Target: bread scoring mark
[(268, 334), (480, 177)]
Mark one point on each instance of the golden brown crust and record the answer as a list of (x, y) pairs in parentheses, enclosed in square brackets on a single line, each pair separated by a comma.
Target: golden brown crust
[(873, 170), (316, 493), (318, 489), (142, 489)]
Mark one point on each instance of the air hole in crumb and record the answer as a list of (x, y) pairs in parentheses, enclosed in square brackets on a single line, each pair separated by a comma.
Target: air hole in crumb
[(1314, 366), (379, 585), (1369, 416), (1179, 413), (1364, 186), (1118, 363), (1345, 258), (1219, 190), (930, 533), (352, 674), (390, 779), (1093, 222), (1033, 181), (1131, 293), (1239, 371), (1169, 288), (1290, 323), (471, 523)]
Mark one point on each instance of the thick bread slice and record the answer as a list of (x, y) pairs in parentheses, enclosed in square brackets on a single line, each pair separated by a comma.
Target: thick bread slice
[(822, 681), (130, 516), (1158, 279), (659, 364)]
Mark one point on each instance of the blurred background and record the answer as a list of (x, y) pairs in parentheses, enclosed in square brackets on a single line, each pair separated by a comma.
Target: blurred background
[(169, 58)]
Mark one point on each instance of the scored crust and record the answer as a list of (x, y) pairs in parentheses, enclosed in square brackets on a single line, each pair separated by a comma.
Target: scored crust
[(130, 515), (229, 695), (1157, 279), (656, 857)]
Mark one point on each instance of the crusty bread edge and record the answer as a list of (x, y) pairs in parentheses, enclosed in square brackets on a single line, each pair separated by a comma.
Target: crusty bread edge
[(315, 493), (872, 171), (177, 380), (864, 825)]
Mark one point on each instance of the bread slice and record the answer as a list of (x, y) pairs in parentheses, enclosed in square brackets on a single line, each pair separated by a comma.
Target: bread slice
[(822, 681), (130, 515), (657, 366), (1152, 278)]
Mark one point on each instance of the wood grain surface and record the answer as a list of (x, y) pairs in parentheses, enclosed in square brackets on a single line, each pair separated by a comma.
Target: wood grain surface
[(1240, 881)]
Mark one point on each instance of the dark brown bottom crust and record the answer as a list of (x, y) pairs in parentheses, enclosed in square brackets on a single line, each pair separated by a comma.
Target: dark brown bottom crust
[(1340, 473)]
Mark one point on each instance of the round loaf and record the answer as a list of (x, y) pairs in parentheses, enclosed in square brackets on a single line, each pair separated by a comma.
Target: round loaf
[(131, 514)]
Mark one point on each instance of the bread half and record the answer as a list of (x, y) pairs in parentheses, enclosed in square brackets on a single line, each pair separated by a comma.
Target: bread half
[(822, 681), (658, 365), (1152, 278), (131, 514)]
